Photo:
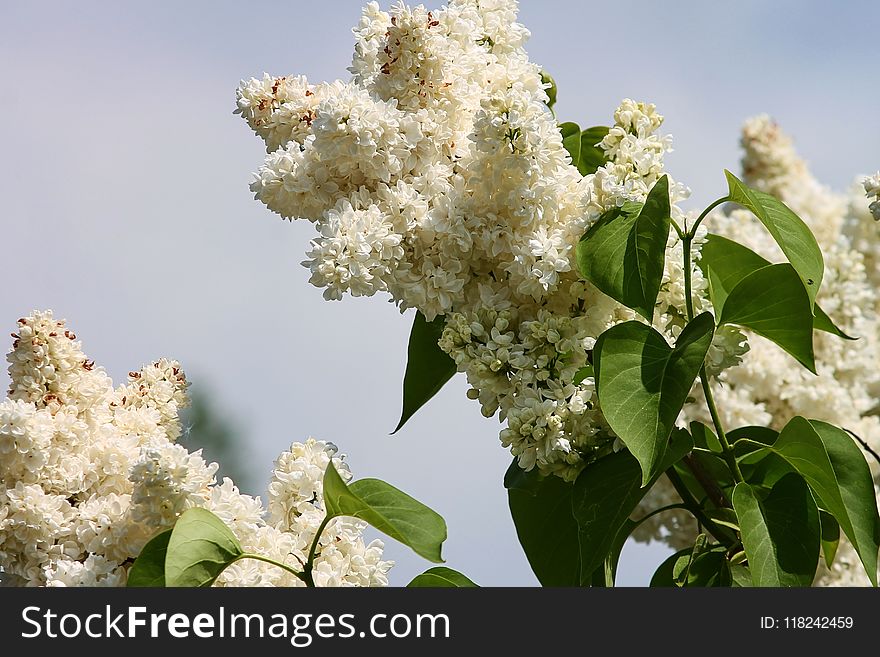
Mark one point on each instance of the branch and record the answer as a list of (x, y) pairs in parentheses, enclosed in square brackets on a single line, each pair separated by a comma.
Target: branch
[(864, 445), (713, 490)]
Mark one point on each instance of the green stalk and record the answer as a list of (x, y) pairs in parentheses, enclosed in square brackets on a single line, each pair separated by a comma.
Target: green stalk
[(686, 242), (260, 557), (705, 213), (662, 509), (727, 450), (310, 562)]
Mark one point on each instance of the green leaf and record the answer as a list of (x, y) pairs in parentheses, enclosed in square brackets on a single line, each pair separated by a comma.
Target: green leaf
[(571, 140), (547, 531), (704, 437), (790, 232), (822, 322), (781, 533), (642, 383), (761, 435), (836, 470), (707, 456), (201, 546), (428, 367), (772, 302), (700, 565), (518, 479), (551, 91), (830, 536), (389, 510), (709, 568), (582, 374), (766, 472), (669, 572), (749, 443), (441, 577), (740, 576), (623, 253), (712, 466), (760, 466), (148, 570), (725, 263), (592, 155), (609, 568), (723, 516), (605, 495)]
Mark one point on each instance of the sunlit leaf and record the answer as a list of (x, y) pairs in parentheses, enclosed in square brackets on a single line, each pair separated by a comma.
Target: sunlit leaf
[(642, 383)]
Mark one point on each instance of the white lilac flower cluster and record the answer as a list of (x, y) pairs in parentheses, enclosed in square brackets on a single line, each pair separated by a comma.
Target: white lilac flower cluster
[(769, 387), (437, 175), (90, 472)]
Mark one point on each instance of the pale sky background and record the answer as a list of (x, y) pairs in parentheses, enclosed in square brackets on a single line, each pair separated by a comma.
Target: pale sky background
[(124, 206)]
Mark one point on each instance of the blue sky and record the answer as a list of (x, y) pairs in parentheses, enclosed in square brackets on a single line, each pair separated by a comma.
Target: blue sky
[(123, 178)]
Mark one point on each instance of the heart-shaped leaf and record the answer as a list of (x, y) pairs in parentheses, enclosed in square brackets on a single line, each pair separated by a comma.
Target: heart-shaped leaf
[(547, 531), (837, 472), (780, 533), (200, 547), (592, 155), (441, 577), (518, 479), (389, 510), (571, 140), (725, 263), (605, 495), (428, 367), (605, 575), (148, 570), (624, 252), (772, 302), (642, 383), (790, 232)]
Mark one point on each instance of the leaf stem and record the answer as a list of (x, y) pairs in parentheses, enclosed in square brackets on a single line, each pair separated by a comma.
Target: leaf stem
[(310, 562), (686, 242), (260, 557), (668, 507), (728, 454), (729, 457), (678, 229), (705, 213)]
